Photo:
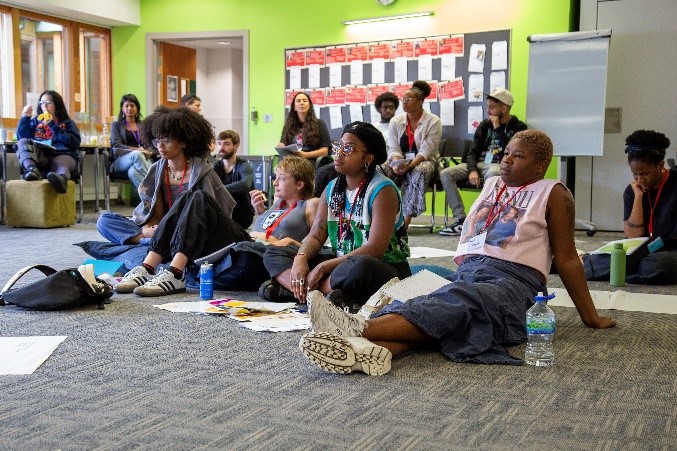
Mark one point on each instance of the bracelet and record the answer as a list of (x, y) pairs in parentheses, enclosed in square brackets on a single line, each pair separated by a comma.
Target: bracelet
[(633, 225), (300, 254)]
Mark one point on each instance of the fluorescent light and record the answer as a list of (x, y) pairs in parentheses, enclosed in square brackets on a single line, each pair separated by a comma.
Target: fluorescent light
[(223, 42), (386, 18)]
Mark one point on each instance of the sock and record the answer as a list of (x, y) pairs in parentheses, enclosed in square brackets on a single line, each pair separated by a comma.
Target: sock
[(149, 268), (178, 273)]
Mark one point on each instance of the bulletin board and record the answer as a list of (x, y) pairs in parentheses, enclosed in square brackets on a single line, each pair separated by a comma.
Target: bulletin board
[(343, 80)]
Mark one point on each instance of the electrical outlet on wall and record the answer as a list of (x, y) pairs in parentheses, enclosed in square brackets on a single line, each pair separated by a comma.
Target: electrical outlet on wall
[(267, 118)]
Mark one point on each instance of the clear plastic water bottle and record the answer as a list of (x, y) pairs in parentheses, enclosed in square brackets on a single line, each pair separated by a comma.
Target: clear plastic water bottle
[(540, 333), (105, 134)]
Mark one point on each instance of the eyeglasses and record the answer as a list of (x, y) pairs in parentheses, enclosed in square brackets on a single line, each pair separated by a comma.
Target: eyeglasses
[(406, 100), (345, 149), (45, 102), (164, 141)]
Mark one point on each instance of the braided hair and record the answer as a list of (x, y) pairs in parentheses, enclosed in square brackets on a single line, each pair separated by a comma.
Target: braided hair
[(647, 146)]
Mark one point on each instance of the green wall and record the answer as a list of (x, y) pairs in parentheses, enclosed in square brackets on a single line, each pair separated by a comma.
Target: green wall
[(278, 24)]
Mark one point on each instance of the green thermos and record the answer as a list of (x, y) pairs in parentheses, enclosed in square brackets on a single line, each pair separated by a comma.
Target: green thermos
[(618, 258)]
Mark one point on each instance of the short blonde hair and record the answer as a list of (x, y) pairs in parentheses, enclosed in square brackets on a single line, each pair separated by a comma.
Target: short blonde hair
[(302, 170), (538, 141)]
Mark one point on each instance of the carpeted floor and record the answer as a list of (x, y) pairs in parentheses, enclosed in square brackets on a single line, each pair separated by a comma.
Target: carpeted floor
[(137, 377)]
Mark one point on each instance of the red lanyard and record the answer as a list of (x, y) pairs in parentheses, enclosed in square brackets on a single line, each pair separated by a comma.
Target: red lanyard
[(169, 187), (491, 216), (343, 231), (652, 207), (410, 135), (274, 225)]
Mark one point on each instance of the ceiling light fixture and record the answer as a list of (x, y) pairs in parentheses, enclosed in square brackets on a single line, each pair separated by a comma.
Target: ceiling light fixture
[(223, 42), (387, 18)]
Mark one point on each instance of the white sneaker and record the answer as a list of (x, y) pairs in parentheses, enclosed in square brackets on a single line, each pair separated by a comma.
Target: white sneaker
[(133, 279), (344, 355), (326, 317), (377, 300), (453, 230), (161, 284)]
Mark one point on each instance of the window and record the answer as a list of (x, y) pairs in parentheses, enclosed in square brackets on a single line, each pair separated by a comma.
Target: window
[(39, 52)]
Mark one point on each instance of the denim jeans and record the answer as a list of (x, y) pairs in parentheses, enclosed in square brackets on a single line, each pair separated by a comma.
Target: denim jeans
[(135, 164)]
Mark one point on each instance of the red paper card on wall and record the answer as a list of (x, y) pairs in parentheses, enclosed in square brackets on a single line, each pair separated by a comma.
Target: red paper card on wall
[(374, 91), (356, 94), (315, 56), (379, 50), (432, 97), (357, 52), (426, 47), (402, 49), (295, 58), (317, 96), (335, 96), (400, 88), (452, 44), (335, 54), (452, 90)]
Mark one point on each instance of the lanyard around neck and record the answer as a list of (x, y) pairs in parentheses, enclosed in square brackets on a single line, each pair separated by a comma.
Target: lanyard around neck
[(274, 225), (491, 216), (410, 135), (345, 226), (653, 206), (169, 187), (135, 134)]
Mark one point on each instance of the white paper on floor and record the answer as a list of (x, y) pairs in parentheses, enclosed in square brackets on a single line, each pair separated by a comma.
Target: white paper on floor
[(24, 355), (429, 252), (621, 300)]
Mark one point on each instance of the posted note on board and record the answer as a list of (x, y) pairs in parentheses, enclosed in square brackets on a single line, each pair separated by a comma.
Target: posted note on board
[(476, 58), (448, 62), (378, 70), (499, 55), (356, 72), (335, 74), (476, 88), (295, 77), (355, 112), (496, 80), (425, 67), (447, 112), (314, 76), (401, 69), (474, 118), (335, 117)]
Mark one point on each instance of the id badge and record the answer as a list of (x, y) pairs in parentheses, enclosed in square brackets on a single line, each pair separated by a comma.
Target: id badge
[(410, 155), (489, 157), (655, 245), (339, 252), (473, 245)]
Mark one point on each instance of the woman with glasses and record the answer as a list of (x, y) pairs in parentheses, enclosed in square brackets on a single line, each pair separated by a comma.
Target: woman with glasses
[(48, 142), (649, 210), (128, 152), (413, 149), (182, 202), (360, 213)]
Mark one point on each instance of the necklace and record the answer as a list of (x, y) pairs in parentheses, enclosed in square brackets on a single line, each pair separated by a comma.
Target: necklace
[(176, 177)]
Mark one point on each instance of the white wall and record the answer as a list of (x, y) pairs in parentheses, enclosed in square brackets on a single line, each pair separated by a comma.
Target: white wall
[(641, 81), (219, 81), (107, 13)]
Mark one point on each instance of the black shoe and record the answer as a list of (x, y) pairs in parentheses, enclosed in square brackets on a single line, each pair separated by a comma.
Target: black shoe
[(58, 182), (272, 291), (32, 174)]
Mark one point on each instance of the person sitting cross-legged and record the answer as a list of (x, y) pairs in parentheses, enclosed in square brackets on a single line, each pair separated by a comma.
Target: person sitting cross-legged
[(473, 318)]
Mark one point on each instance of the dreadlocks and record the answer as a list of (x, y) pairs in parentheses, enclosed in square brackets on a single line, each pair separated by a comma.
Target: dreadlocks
[(337, 200)]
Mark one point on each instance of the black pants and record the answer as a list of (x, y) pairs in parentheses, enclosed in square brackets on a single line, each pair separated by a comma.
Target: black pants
[(45, 159), (659, 268), (359, 276), (195, 226)]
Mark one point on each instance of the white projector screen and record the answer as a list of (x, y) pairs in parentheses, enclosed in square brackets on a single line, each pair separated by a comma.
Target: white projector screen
[(566, 90)]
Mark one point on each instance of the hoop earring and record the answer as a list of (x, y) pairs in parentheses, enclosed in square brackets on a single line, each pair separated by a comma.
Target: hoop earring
[(366, 167)]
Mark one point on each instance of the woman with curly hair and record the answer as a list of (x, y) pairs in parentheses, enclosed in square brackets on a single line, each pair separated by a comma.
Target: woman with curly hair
[(48, 142), (182, 203), (649, 210)]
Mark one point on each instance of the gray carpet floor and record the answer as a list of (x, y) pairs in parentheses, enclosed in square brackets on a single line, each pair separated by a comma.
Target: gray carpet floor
[(136, 377)]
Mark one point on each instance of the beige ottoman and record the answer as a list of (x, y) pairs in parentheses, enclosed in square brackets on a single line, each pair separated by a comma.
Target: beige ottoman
[(36, 204)]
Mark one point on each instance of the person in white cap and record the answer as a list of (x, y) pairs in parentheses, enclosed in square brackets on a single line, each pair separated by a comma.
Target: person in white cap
[(491, 137)]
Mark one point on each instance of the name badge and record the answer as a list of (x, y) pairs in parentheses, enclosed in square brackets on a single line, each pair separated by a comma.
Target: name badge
[(410, 155), (474, 244), (655, 245), (339, 252), (489, 157)]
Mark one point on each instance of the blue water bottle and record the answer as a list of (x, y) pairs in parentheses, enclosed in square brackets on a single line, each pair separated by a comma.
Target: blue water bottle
[(206, 281)]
